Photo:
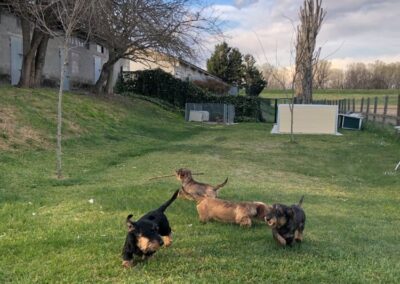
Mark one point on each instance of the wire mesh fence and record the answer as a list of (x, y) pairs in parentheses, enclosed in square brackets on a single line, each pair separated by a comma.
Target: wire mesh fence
[(210, 112)]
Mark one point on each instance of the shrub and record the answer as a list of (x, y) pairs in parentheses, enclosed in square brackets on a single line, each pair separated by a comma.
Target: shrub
[(159, 84)]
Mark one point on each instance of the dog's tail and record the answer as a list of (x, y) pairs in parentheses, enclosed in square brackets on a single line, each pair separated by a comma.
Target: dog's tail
[(168, 203), (220, 185), (301, 201)]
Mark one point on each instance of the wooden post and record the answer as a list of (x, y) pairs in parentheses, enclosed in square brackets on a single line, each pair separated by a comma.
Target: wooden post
[(375, 107), (276, 110), (385, 109), (339, 106), (362, 105), (367, 111), (348, 105), (354, 105), (398, 110)]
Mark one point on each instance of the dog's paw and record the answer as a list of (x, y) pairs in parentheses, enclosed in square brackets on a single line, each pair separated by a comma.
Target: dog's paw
[(167, 241), (128, 263)]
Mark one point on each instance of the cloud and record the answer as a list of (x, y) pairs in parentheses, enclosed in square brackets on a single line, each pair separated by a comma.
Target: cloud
[(352, 31), (244, 3)]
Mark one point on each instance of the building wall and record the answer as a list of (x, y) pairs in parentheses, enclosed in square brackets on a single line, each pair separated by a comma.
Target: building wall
[(185, 72), (81, 64), (9, 26), (175, 67), (158, 62)]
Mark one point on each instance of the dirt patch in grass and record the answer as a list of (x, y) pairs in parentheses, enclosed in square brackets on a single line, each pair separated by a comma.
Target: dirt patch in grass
[(12, 136)]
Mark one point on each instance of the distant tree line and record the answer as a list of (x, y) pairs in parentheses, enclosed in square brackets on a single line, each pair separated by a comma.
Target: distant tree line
[(359, 75)]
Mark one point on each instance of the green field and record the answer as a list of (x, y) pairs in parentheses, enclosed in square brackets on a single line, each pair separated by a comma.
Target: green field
[(342, 94), (50, 232)]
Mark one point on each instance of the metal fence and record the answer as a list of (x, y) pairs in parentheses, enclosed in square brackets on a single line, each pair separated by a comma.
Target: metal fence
[(216, 113)]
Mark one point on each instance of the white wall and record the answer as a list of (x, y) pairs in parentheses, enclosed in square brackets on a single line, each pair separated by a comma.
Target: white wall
[(81, 59)]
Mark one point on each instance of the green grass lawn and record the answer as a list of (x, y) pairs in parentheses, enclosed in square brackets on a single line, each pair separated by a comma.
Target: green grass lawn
[(342, 94), (50, 232)]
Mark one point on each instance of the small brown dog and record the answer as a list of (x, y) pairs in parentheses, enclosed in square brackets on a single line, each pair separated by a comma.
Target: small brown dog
[(194, 188), (241, 213)]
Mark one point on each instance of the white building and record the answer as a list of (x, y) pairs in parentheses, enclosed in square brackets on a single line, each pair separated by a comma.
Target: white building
[(83, 69)]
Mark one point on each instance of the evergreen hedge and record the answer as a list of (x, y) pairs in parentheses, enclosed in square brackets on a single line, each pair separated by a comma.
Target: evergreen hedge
[(161, 85)]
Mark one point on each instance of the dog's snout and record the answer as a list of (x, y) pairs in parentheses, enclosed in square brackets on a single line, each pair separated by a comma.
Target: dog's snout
[(161, 242)]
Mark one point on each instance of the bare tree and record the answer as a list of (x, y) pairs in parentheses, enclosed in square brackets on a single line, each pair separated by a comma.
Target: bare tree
[(311, 18), (357, 76), (68, 16), (321, 73), (136, 30), (272, 74), (286, 82), (336, 78), (34, 39)]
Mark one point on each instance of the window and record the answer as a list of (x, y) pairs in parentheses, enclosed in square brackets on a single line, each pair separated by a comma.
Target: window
[(100, 48)]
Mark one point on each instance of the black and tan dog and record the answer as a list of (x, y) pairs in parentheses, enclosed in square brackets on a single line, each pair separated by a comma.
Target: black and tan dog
[(287, 222), (148, 234), (241, 213), (194, 188)]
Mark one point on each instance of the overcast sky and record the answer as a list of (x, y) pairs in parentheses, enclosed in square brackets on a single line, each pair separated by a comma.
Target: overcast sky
[(354, 30)]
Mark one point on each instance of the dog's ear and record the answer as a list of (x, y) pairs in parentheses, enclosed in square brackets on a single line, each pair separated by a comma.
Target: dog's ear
[(129, 223)]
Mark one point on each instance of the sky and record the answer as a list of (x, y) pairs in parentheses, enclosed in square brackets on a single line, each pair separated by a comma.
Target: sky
[(353, 30)]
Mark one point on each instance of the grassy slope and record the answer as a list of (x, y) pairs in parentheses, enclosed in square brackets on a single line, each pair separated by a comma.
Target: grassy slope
[(49, 232)]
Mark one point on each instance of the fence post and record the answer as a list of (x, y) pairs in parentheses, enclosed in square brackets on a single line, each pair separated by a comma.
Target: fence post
[(276, 110), (339, 106), (398, 110), (385, 110), (354, 105), (362, 105), (375, 107), (367, 108)]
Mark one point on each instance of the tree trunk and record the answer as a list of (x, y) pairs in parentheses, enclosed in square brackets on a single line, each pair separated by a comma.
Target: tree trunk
[(40, 60), (98, 87), (59, 112), (29, 56), (105, 75), (311, 18), (110, 79), (26, 45)]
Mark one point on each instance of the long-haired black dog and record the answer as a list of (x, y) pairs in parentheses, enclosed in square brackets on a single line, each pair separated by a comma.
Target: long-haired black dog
[(148, 234), (287, 222)]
